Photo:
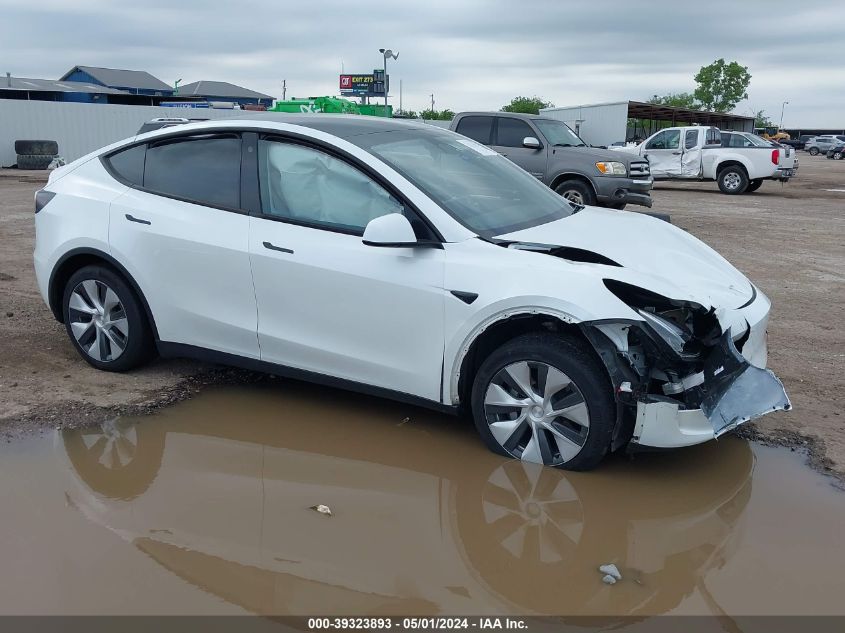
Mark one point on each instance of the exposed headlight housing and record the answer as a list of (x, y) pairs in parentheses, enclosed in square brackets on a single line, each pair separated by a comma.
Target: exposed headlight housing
[(675, 336), (612, 168)]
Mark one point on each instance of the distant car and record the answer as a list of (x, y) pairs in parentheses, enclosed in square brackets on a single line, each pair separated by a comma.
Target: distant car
[(157, 124), (403, 260), (836, 151), (823, 143), (553, 153)]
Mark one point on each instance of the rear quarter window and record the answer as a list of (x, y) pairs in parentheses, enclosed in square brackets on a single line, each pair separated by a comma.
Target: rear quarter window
[(128, 164)]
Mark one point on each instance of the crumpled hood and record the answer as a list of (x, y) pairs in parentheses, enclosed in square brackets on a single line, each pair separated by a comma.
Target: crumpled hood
[(662, 257)]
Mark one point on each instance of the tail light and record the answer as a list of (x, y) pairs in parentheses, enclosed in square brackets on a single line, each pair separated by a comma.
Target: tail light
[(42, 198), (775, 156)]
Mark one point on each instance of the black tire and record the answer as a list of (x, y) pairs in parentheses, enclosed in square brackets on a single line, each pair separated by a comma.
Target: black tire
[(754, 185), (34, 161), (574, 358), (37, 148), (837, 155), (577, 191), (138, 344), (732, 180), (814, 151)]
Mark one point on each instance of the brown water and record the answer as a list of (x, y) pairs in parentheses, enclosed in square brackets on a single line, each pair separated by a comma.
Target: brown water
[(204, 508)]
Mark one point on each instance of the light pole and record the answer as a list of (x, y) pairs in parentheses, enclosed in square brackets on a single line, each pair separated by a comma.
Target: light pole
[(386, 52), (782, 106)]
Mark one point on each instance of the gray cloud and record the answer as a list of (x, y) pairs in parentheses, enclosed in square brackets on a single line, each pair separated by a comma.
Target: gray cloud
[(472, 54)]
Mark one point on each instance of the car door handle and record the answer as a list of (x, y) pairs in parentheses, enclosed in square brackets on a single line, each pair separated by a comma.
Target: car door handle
[(132, 218), (273, 247), (677, 153)]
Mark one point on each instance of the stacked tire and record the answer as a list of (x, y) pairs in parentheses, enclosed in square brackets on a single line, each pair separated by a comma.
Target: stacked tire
[(36, 154)]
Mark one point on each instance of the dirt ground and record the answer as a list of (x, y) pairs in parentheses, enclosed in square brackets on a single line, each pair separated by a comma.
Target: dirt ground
[(789, 239)]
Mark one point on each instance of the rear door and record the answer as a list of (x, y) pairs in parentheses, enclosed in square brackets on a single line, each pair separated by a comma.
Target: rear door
[(691, 157), (509, 133), (477, 127), (183, 236), (664, 153)]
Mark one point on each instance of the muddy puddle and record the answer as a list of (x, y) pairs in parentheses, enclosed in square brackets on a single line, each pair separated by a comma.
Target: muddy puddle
[(204, 508)]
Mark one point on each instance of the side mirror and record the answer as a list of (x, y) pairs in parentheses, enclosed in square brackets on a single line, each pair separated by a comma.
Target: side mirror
[(391, 230), (531, 142)]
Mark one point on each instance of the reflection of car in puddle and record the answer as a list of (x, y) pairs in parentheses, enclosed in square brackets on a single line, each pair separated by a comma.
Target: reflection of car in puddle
[(419, 523)]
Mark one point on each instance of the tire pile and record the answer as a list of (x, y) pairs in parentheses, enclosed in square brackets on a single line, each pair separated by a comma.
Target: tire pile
[(36, 154)]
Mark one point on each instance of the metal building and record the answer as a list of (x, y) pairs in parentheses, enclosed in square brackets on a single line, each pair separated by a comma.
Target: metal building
[(137, 82), (224, 91), (620, 121)]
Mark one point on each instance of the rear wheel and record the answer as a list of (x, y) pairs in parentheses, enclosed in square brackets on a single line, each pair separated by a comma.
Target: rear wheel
[(105, 321), (754, 185), (577, 192), (545, 399), (732, 180)]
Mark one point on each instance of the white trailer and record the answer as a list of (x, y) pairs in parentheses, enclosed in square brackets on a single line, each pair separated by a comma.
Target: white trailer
[(606, 124)]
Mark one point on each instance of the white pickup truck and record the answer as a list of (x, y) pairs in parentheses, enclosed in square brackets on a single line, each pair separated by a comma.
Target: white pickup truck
[(697, 153)]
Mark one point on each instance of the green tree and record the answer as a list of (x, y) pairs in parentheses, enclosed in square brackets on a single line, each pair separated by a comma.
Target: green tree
[(677, 100), (440, 115), (721, 85), (761, 120), (527, 105)]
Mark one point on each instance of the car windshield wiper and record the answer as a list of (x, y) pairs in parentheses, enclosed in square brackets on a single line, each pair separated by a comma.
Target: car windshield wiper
[(562, 145), (581, 145)]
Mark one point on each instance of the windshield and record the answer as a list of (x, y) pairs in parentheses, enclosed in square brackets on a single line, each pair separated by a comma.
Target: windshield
[(481, 189), (558, 133)]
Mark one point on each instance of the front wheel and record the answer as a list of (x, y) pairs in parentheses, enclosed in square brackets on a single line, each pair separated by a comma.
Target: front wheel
[(814, 151), (577, 192), (732, 180), (837, 155), (754, 185), (545, 399)]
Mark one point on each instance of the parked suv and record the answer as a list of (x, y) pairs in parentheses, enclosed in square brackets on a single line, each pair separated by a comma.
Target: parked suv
[(821, 144), (407, 261), (550, 151)]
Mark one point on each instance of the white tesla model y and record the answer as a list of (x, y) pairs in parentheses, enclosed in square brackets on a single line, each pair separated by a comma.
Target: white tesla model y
[(407, 261)]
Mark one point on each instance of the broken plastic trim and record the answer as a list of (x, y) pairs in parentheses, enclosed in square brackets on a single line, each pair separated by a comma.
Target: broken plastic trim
[(736, 391)]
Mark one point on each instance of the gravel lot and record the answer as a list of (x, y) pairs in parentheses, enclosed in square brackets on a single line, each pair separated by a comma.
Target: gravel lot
[(789, 239)]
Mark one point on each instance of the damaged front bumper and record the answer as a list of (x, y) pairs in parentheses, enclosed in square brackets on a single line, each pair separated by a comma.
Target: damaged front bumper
[(668, 397), (735, 392)]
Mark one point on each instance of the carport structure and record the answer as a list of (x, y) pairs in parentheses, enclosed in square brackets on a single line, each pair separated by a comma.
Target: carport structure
[(608, 123)]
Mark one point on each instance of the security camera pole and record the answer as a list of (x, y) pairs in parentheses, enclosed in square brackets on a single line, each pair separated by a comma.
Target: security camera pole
[(386, 52)]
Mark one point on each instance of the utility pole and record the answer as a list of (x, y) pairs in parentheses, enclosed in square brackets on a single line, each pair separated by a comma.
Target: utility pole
[(432, 104), (284, 89), (400, 97), (782, 106)]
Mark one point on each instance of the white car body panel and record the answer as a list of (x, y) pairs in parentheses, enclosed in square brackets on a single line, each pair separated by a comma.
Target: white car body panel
[(193, 264), (335, 306)]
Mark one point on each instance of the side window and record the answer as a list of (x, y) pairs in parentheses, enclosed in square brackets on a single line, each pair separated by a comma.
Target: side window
[(309, 186), (691, 139), (205, 170), (129, 164), (713, 137), (511, 132), (667, 139), (478, 128)]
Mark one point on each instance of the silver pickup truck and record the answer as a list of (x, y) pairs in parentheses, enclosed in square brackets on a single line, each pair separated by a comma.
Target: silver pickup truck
[(549, 150)]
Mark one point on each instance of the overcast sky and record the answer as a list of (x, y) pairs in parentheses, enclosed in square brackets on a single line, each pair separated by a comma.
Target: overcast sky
[(472, 54)]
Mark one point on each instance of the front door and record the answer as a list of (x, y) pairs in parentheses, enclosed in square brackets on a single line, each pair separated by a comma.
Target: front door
[(326, 302), (663, 151), (510, 133)]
